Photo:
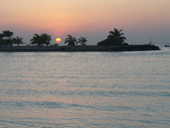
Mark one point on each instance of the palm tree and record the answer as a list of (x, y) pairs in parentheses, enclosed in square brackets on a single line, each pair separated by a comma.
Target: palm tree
[(18, 40), (1, 40), (1, 36), (7, 34), (82, 41), (70, 40), (114, 38), (46, 38), (36, 40), (8, 37), (117, 34), (41, 39)]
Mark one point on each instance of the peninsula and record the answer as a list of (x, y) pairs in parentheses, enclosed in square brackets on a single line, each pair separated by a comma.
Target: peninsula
[(115, 41), (78, 48)]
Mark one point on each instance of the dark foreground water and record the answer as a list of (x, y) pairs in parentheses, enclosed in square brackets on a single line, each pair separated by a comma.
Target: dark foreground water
[(85, 89)]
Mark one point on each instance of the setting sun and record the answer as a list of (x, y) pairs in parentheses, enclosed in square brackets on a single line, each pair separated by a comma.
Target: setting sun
[(58, 40)]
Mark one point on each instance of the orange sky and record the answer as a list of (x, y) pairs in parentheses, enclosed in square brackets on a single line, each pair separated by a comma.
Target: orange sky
[(139, 20)]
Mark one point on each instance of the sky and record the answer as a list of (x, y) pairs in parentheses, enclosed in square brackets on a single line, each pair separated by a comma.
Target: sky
[(141, 20)]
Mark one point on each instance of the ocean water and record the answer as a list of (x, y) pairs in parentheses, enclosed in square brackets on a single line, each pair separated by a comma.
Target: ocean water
[(85, 89)]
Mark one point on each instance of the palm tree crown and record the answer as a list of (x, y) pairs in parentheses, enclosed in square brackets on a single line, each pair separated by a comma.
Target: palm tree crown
[(7, 35), (82, 41), (70, 40), (18, 40), (117, 34), (114, 38), (41, 39)]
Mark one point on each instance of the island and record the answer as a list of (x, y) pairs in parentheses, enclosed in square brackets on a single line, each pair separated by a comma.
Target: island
[(78, 48), (41, 43)]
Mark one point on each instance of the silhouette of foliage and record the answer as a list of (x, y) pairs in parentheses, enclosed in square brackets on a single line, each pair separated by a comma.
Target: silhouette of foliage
[(40, 40), (6, 38), (70, 40), (82, 41), (55, 45), (116, 34), (1, 36), (1, 40), (8, 34), (114, 38), (17, 40)]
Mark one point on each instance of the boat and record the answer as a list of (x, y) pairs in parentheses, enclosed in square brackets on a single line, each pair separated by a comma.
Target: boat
[(167, 45)]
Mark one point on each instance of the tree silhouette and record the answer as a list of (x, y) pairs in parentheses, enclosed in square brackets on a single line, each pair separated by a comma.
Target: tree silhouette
[(8, 34), (1, 36), (7, 37), (46, 38), (117, 34), (18, 40), (114, 38), (1, 39), (41, 39), (82, 41), (70, 40)]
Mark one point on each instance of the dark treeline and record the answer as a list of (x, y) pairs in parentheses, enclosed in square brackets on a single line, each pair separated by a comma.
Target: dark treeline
[(6, 39), (114, 38), (72, 41)]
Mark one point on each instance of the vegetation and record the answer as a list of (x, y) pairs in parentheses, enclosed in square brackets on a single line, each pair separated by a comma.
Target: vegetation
[(70, 40), (82, 41), (6, 38), (17, 40), (40, 40), (1, 39), (114, 38)]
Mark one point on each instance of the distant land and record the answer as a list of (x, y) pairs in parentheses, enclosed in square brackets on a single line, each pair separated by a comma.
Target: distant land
[(115, 41), (78, 48)]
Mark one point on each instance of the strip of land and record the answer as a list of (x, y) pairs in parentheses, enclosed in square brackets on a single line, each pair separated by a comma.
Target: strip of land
[(78, 48)]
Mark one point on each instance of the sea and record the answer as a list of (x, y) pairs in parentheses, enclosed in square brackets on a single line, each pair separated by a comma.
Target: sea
[(85, 89)]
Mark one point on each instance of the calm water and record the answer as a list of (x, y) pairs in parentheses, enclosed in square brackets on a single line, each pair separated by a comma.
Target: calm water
[(85, 89)]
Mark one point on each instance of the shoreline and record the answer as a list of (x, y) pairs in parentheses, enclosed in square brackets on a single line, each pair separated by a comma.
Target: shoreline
[(78, 48)]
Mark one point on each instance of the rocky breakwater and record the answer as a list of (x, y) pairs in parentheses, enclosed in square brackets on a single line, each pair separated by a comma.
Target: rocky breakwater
[(78, 48)]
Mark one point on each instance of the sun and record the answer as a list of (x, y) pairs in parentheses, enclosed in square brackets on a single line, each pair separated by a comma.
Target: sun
[(58, 40)]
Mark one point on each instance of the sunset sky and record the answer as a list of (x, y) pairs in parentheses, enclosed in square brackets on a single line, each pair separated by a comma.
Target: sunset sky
[(139, 19)]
